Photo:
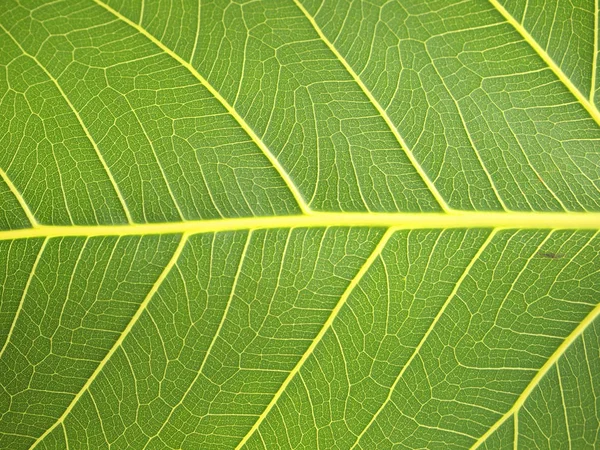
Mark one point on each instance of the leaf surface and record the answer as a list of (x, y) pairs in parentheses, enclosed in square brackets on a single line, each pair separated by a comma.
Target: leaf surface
[(299, 224)]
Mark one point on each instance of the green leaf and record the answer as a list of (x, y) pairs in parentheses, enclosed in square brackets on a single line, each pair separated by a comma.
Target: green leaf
[(299, 224)]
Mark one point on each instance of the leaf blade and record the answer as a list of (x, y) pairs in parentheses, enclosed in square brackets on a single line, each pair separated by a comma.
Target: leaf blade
[(299, 224)]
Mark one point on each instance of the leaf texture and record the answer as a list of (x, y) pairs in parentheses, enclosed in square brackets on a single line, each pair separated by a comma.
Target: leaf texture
[(299, 224)]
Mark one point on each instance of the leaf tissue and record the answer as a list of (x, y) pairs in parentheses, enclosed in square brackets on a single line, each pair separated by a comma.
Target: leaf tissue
[(307, 224)]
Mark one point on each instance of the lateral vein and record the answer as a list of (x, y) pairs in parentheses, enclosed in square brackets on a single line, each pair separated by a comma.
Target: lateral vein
[(80, 120), (319, 337), (558, 353), (589, 107), (230, 109), (216, 336), (120, 340), (382, 112), (595, 57), (23, 295), (427, 333), (19, 197)]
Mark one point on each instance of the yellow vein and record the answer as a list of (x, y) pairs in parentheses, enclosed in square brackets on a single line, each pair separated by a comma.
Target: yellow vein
[(19, 197), (455, 219), (119, 342), (142, 11), (249, 131), (85, 130), (214, 338), (436, 319), (595, 57), (590, 107), (197, 35), (417, 166), (562, 348), (23, 295), (516, 430), (326, 326), (64, 430)]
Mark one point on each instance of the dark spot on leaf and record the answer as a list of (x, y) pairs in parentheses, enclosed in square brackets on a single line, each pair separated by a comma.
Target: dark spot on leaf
[(550, 255)]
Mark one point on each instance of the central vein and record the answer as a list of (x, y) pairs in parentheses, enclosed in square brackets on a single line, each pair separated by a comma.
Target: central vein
[(455, 219)]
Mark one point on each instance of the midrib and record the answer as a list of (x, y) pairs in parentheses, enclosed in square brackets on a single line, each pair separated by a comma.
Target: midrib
[(454, 219)]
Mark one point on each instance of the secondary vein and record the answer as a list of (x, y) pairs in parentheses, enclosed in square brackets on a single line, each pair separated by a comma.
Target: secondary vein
[(120, 340), (382, 112), (589, 107), (319, 337), (230, 109), (81, 123), (32, 274), (24, 206), (432, 325), (575, 334)]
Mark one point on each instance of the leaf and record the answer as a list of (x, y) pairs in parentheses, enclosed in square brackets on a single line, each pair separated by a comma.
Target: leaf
[(299, 224)]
